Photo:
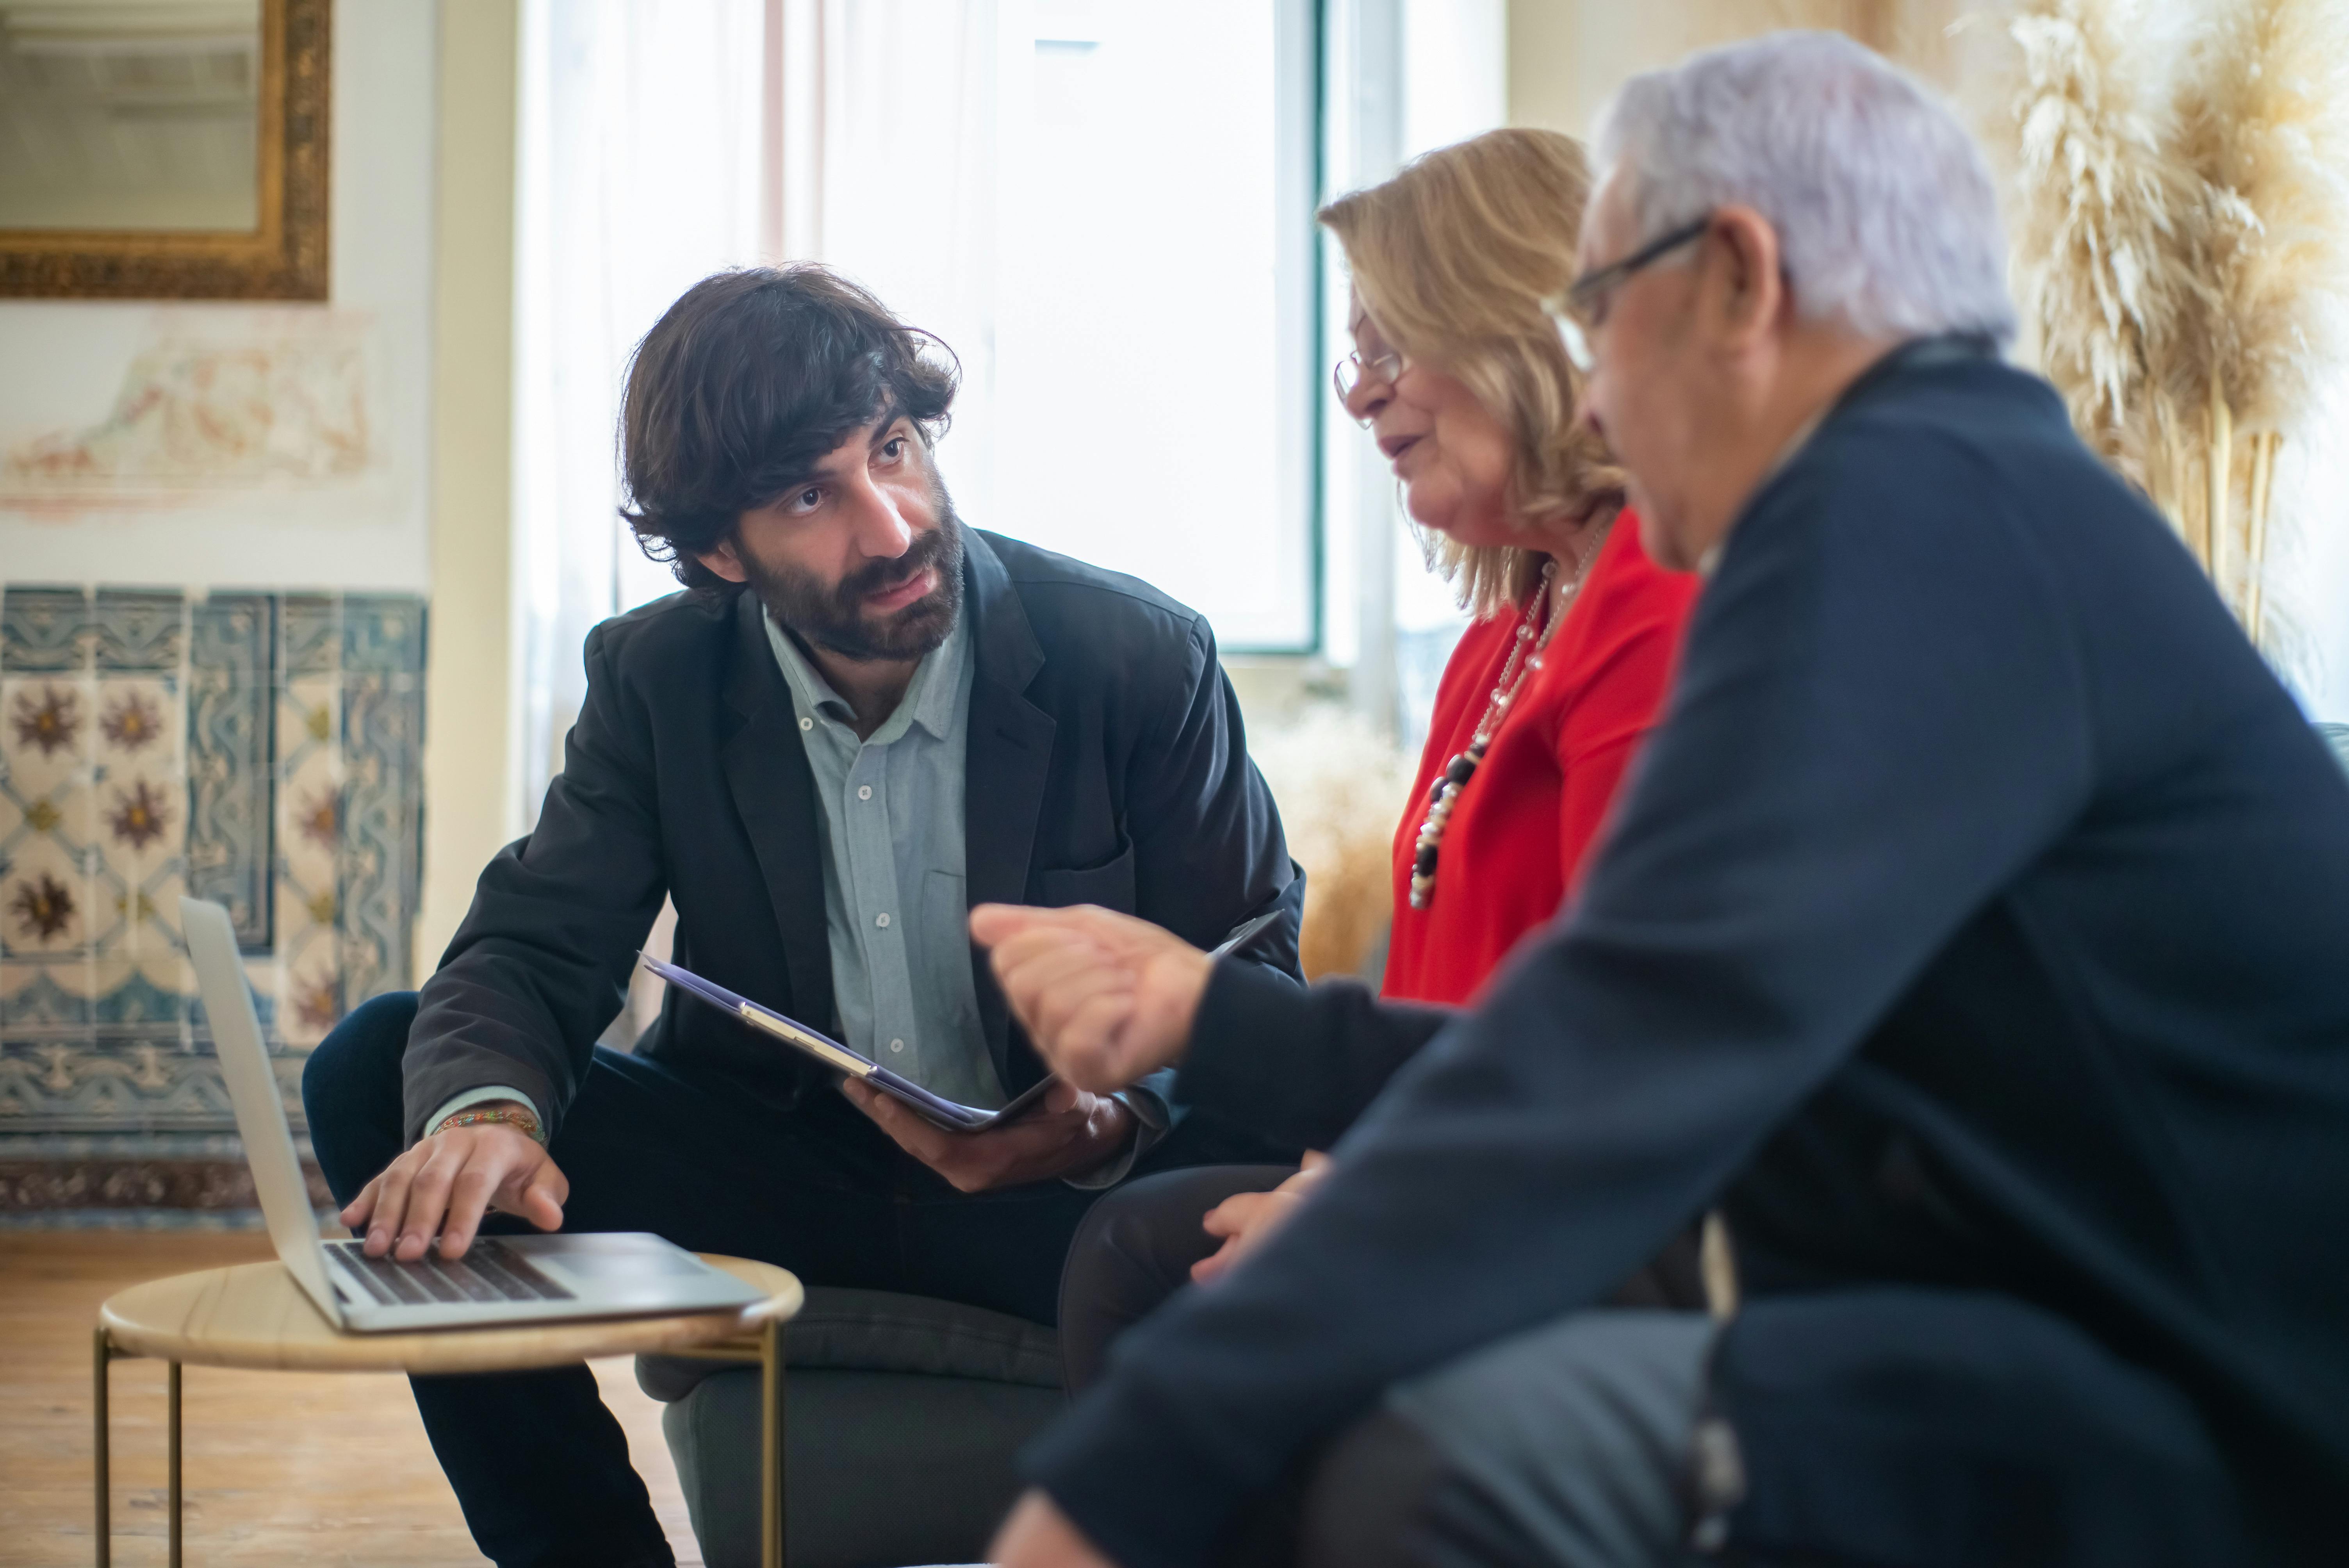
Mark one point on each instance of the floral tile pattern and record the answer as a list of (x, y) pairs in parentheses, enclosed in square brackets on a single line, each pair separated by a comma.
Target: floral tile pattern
[(259, 749)]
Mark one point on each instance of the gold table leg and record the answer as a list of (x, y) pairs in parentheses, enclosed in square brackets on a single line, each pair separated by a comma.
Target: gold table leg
[(102, 1357), (771, 1447), (101, 1354), (172, 1400)]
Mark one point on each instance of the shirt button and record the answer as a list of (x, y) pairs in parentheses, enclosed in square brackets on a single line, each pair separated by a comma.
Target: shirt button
[(864, 791), (806, 723), (882, 921), (896, 1044)]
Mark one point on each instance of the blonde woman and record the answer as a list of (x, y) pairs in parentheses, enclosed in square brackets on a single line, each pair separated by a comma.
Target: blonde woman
[(1458, 375)]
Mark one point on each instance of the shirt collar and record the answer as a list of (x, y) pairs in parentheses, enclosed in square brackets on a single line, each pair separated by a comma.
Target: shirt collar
[(929, 699)]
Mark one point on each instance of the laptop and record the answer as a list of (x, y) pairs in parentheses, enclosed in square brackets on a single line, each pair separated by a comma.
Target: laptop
[(501, 1279)]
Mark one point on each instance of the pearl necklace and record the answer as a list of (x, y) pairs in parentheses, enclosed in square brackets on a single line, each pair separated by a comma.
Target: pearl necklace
[(1525, 657)]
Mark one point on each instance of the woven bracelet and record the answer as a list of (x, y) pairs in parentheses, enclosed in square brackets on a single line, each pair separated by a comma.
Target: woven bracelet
[(522, 1120)]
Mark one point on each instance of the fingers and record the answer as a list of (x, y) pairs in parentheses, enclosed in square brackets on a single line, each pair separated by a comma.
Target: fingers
[(1216, 1264), (532, 1187), (1302, 1180), (992, 924), (1165, 1002), (491, 1166), (1314, 1159), (1095, 1048), (443, 1186), (1052, 1140), (1038, 1535), (1045, 981), (1234, 1214), (427, 1198), (995, 923), (391, 1201), (915, 1137), (477, 1181), (1246, 1221), (1106, 998), (355, 1213), (1055, 1006), (541, 1198)]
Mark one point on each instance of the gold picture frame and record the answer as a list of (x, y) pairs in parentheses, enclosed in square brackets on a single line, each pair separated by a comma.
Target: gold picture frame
[(283, 257)]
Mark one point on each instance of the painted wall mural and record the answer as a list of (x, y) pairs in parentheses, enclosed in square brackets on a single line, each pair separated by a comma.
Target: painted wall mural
[(282, 403), (259, 749)]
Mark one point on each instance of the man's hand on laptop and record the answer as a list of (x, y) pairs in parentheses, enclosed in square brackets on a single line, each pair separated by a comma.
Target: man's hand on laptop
[(443, 1185), (1107, 998), (1067, 1134)]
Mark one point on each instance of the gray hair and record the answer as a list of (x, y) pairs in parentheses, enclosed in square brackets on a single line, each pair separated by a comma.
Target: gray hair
[(1886, 218)]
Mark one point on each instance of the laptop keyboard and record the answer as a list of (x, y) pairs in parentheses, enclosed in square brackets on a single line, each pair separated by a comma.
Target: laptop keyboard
[(490, 1271)]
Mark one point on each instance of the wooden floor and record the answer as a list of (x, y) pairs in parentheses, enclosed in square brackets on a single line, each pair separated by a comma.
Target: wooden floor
[(291, 1468)]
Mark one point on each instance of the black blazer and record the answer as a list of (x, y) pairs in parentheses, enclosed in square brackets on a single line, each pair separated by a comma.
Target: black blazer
[(1973, 924), (1107, 765)]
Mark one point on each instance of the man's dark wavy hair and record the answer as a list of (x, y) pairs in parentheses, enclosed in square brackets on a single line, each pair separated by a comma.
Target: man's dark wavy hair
[(747, 381)]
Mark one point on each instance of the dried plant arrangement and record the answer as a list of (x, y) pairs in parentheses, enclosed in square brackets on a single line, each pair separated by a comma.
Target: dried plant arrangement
[(1340, 786), (2261, 123), (2182, 243), (2104, 225)]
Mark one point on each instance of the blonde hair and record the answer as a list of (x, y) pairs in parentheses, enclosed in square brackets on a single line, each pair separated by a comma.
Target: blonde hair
[(1452, 258)]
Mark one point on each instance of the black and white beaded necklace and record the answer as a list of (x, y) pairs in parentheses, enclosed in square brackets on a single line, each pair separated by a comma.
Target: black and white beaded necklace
[(1526, 650)]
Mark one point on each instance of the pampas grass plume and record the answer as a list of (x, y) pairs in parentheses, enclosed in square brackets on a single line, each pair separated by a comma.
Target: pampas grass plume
[(2261, 122), (2102, 221), (1341, 788)]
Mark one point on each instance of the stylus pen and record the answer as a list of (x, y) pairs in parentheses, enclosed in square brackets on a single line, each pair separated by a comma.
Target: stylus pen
[(1246, 931)]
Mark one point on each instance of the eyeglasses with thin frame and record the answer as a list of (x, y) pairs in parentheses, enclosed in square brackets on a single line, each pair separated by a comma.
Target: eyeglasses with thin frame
[(1351, 373), (1583, 306)]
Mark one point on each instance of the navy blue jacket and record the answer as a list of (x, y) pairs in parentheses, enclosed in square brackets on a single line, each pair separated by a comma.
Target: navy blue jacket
[(1107, 765), (1977, 921)]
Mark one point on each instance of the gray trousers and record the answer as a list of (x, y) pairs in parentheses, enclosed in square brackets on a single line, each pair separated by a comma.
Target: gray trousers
[(1565, 1447)]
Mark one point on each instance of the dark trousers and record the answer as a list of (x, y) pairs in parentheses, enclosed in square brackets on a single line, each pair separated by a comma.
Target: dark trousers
[(1135, 1249), (539, 1467)]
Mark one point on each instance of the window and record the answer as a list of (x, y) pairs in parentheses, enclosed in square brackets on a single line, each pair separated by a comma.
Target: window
[(1153, 350), (1105, 206)]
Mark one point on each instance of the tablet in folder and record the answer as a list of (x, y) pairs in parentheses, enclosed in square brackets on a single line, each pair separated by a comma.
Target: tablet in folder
[(934, 1109)]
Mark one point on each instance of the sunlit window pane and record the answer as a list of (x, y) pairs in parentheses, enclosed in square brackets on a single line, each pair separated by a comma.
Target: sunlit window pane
[(1151, 389)]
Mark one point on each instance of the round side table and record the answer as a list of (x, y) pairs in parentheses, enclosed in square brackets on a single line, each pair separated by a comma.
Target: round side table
[(254, 1316)]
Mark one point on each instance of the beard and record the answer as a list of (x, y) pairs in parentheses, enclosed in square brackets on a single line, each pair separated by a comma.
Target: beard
[(833, 617)]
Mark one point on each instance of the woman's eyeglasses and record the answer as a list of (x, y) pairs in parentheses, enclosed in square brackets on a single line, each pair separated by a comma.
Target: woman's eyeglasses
[(1353, 372)]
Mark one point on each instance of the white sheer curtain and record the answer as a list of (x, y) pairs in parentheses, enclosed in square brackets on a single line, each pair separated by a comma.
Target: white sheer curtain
[(886, 115), (1404, 77), (666, 139), (640, 172), (1103, 206)]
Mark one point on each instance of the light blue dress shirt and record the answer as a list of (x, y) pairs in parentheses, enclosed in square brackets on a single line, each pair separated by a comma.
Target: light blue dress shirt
[(896, 900), (894, 895)]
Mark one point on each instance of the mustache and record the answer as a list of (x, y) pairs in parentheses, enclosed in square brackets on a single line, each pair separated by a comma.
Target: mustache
[(880, 576)]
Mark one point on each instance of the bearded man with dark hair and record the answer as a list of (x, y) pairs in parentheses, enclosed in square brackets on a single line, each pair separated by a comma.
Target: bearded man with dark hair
[(859, 719)]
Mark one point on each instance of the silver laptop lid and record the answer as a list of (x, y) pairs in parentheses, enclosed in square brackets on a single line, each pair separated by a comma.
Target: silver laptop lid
[(252, 1089)]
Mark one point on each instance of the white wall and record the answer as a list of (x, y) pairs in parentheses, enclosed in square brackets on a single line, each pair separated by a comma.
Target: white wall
[(63, 362), (470, 749), (422, 189)]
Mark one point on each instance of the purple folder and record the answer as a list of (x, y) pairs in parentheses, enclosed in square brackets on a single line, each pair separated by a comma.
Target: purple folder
[(935, 1109)]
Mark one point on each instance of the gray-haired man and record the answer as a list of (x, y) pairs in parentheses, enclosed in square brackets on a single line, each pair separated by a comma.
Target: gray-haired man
[(1970, 937)]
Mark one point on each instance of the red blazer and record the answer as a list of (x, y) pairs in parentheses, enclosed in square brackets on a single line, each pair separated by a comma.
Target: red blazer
[(1523, 828)]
